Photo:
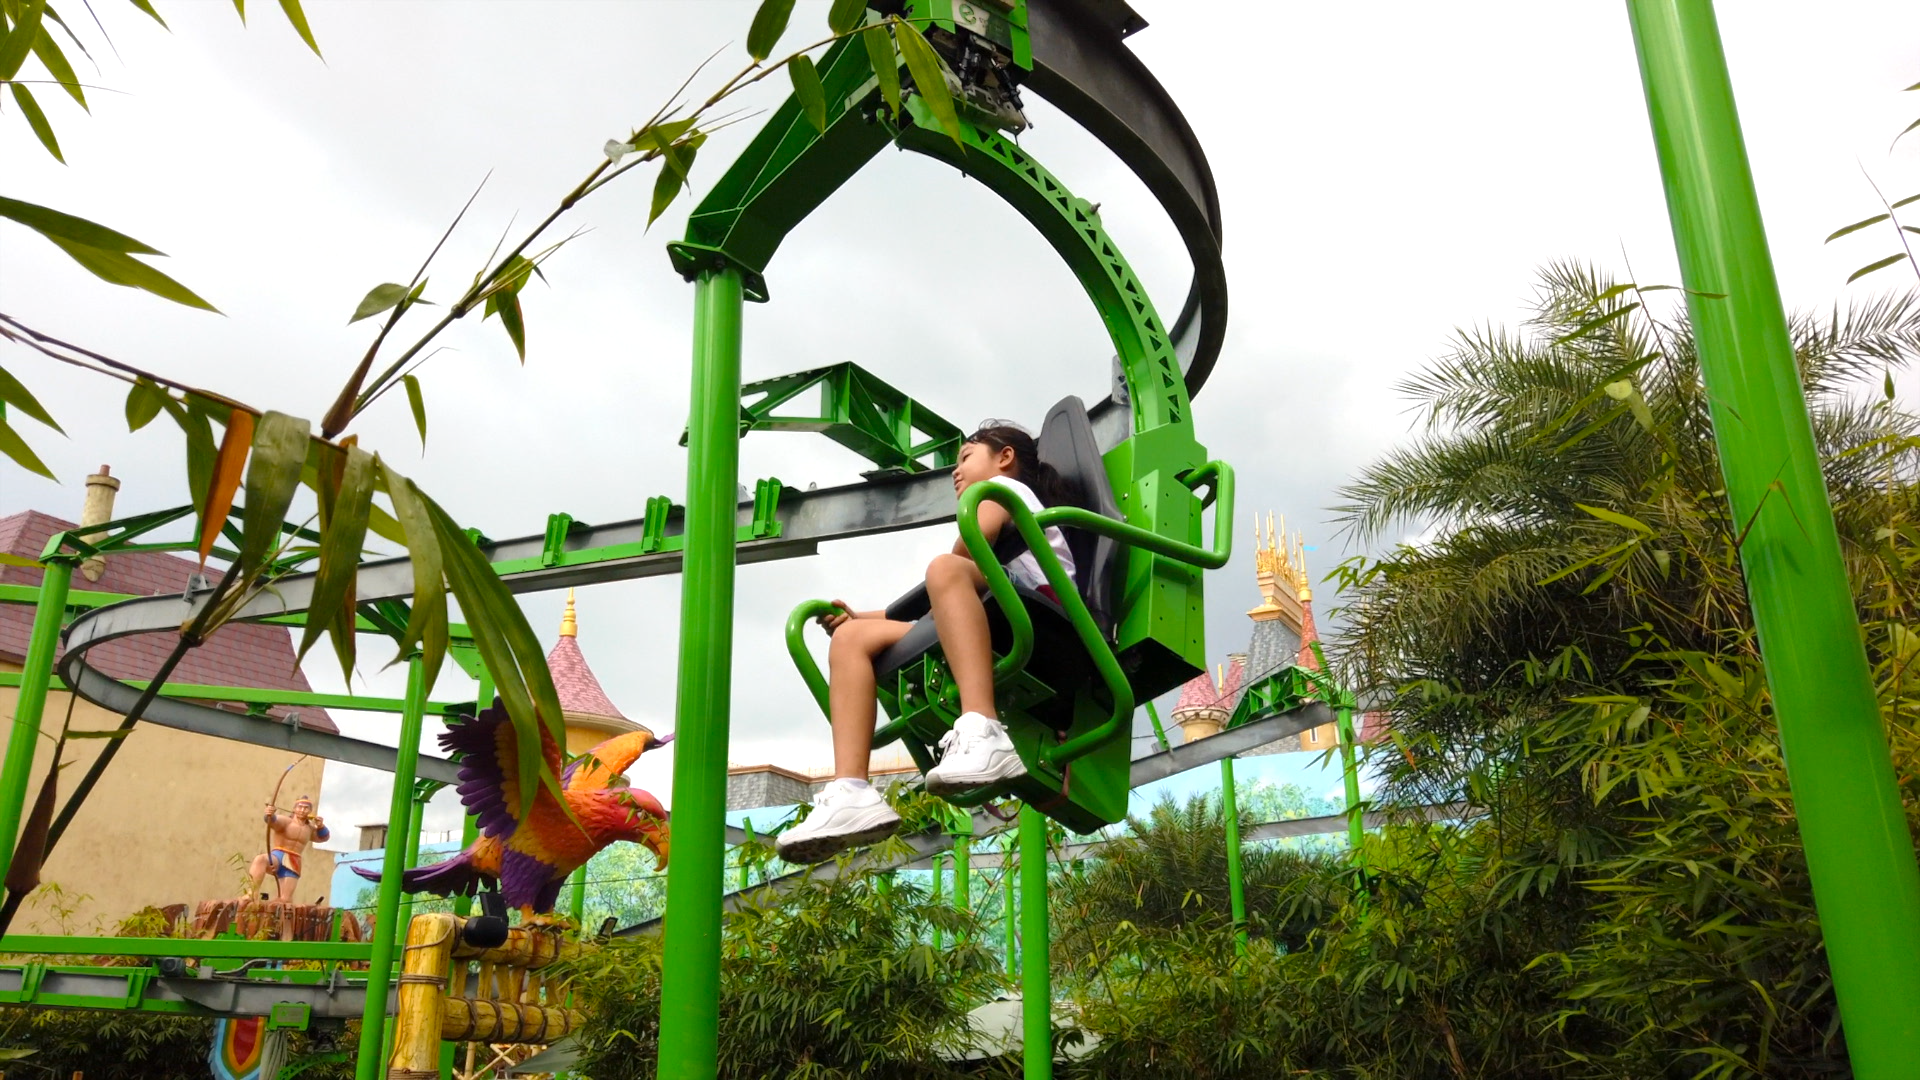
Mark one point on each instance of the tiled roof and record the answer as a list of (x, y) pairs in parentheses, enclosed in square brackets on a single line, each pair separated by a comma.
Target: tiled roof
[(579, 691), (1201, 692), (1309, 634), (239, 654), (1272, 647)]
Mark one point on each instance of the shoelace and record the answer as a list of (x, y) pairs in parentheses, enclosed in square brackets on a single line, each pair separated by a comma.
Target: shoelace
[(955, 740)]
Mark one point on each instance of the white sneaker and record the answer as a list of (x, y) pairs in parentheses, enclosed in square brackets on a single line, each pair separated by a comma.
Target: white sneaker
[(844, 815), (975, 754)]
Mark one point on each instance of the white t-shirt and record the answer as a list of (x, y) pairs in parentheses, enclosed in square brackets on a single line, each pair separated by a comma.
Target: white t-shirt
[(1025, 570)]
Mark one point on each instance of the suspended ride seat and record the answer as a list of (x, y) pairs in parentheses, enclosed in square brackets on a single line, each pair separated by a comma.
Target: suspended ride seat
[(1067, 697), (1059, 693)]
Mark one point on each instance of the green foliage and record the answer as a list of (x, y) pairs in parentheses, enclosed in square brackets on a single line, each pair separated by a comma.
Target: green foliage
[(837, 978)]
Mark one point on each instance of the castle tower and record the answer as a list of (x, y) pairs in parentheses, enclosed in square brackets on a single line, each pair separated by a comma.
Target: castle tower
[(1206, 702), (590, 716)]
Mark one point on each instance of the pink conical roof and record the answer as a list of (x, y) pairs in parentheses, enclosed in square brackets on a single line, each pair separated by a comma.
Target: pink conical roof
[(579, 691), (1201, 692)]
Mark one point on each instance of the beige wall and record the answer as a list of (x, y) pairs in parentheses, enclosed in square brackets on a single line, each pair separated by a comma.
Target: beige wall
[(164, 825)]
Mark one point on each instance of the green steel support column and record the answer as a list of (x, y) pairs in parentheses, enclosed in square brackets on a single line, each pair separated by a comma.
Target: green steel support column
[(1236, 884), (1159, 732), (1860, 854), (1350, 772), (31, 704), (690, 979), (1007, 903), (416, 821), (746, 825), (1036, 978), (387, 930), (963, 861), (577, 896), (939, 860)]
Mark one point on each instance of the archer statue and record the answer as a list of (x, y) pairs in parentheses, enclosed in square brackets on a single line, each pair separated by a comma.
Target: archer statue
[(287, 838)]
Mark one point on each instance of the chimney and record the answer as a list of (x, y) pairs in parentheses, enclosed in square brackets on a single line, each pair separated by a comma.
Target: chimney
[(98, 509)]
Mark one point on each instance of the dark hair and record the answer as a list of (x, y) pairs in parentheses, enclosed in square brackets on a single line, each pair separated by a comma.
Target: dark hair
[(1043, 478)]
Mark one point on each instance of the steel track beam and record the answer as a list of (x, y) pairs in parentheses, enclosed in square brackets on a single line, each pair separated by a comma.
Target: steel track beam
[(115, 989)]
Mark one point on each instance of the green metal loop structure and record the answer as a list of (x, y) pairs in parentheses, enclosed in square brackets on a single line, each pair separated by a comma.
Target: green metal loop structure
[(1073, 53)]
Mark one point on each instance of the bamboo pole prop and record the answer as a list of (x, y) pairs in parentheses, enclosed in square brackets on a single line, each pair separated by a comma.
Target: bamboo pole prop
[(386, 928), (36, 674), (422, 993), (1236, 883)]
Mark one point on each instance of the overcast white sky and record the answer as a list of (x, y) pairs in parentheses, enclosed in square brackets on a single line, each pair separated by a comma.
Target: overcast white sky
[(1387, 171)]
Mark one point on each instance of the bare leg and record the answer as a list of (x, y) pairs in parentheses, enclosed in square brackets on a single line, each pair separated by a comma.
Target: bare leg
[(953, 584), (850, 691), (259, 872)]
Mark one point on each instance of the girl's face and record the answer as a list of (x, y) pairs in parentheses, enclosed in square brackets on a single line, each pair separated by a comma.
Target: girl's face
[(978, 462)]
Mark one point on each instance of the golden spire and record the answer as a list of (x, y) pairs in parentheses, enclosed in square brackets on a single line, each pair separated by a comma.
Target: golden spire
[(569, 626), (1300, 564)]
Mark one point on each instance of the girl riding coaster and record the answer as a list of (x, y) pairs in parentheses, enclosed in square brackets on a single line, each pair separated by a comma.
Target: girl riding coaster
[(848, 812)]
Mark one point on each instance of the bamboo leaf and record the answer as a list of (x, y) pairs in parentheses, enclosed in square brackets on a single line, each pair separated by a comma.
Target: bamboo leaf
[(299, 20), (509, 311), (343, 537), (807, 90), (427, 625), (19, 40), (147, 6), (846, 15), (48, 50), (1905, 130), (273, 475), (1616, 518), (1855, 227), (37, 120), (54, 224), (378, 299), (144, 402), (15, 394), (16, 448), (676, 163), (510, 649), (121, 269), (929, 78), (769, 22), (1905, 201), (201, 451), (886, 66), (240, 9), (419, 404), (109, 733), (224, 483), (1872, 266)]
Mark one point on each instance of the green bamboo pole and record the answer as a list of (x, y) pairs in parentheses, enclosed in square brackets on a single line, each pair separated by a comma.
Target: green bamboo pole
[(746, 826), (690, 979), (1236, 883), (1350, 773), (1007, 904), (1036, 978), (1860, 853), (30, 704), (387, 911), (963, 861)]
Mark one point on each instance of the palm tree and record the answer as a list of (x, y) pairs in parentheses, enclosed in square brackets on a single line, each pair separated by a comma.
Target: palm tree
[(1568, 482)]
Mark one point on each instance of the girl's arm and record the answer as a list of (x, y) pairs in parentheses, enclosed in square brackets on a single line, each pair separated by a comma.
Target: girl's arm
[(993, 517)]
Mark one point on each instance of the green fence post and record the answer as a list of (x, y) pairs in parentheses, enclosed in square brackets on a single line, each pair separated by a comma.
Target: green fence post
[(1350, 773), (1860, 853), (1236, 884), (1007, 903), (31, 703), (1036, 977), (690, 978), (387, 931)]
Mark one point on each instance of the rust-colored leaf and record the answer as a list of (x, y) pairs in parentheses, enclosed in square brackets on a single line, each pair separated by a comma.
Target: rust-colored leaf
[(228, 468)]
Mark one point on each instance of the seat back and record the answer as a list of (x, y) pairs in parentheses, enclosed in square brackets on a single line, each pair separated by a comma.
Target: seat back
[(1066, 442)]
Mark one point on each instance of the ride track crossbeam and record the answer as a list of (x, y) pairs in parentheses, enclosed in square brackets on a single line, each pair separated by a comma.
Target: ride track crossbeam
[(860, 412)]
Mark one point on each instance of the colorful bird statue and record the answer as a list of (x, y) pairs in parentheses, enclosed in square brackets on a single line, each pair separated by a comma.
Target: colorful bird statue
[(531, 857)]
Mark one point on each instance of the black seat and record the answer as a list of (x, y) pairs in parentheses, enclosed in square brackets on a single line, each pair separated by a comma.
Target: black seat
[(1066, 442)]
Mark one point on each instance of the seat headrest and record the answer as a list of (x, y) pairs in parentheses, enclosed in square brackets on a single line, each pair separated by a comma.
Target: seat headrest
[(1067, 443)]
